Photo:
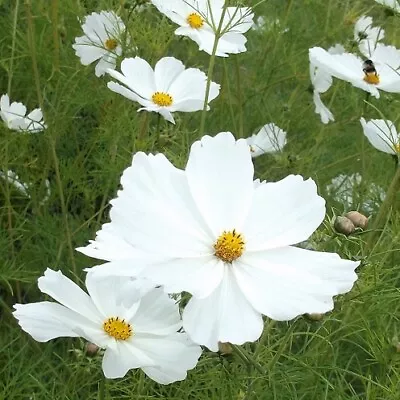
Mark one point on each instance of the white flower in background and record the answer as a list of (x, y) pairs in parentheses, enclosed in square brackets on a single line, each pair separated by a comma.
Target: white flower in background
[(267, 25), (259, 24), (23, 187), (367, 36), (166, 89), (199, 20), (14, 116), (139, 334), (269, 139), (382, 71), (393, 4), (101, 41), (382, 134), (322, 81), (228, 240), (349, 191)]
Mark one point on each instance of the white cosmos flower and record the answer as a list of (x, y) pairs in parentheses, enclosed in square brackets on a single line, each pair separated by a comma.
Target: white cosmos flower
[(349, 67), (139, 334), (367, 36), (382, 134), (228, 240), (166, 89), (101, 41), (199, 20), (322, 81), (269, 139), (14, 116), (393, 4)]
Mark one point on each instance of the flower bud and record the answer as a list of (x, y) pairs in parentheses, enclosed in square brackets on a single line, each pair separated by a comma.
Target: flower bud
[(359, 220), (225, 348), (344, 225), (315, 316), (91, 349)]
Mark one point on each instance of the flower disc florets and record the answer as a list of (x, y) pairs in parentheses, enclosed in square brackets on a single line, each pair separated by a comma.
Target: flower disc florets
[(117, 328), (195, 20), (229, 246)]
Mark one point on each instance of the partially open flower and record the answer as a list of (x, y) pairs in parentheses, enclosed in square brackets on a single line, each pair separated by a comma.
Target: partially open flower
[(367, 36), (270, 139)]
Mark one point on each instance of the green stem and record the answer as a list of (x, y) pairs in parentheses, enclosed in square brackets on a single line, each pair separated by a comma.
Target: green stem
[(248, 359), (102, 388), (210, 71), (384, 210), (240, 98), (56, 42)]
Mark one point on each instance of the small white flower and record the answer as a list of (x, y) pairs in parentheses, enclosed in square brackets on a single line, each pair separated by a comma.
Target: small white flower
[(166, 89), (269, 139), (139, 334), (393, 4), (101, 41), (322, 81), (367, 36), (349, 190), (199, 20), (259, 24), (14, 116), (14, 180), (228, 240), (382, 134), (382, 71)]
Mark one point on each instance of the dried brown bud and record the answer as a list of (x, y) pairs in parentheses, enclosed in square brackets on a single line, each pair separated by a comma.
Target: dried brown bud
[(359, 220), (344, 225), (225, 348), (315, 316), (91, 349)]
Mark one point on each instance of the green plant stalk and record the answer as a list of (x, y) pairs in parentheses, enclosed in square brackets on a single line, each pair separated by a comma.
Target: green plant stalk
[(210, 71), (31, 43), (240, 99), (248, 359), (102, 388), (384, 210), (56, 43)]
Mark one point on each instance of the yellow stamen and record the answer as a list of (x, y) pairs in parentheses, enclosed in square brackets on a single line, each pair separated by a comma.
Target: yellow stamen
[(195, 21), (229, 246), (162, 99), (110, 44), (117, 328), (372, 78), (397, 148)]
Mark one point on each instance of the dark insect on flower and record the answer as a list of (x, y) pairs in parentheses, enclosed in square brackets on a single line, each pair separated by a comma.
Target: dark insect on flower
[(369, 67)]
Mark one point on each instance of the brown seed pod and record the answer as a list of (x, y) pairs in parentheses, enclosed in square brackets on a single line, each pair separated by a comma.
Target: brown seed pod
[(91, 349), (225, 348), (344, 225), (315, 316), (359, 220)]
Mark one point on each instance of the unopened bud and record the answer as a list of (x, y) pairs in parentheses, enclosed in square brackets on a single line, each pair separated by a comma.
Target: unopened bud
[(91, 349), (225, 348), (315, 316), (359, 220), (344, 225)]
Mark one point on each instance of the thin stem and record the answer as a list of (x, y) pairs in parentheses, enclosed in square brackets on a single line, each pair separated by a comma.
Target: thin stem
[(248, 359), (211, 70), (384, 210), (31, 42), (56, 43), (102, 388), (240, 98), (14, 35)]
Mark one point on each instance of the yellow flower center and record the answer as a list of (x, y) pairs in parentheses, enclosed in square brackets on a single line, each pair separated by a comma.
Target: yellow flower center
[(229, 246), (397, 148), (195, 21), (110, 44), (371, 77), (117, 328), (162, 99)]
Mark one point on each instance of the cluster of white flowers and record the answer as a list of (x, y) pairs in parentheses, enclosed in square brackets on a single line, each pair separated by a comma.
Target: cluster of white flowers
[(209, 230)]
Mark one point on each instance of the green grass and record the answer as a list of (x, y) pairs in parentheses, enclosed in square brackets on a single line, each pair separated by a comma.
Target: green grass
[(91, 136)]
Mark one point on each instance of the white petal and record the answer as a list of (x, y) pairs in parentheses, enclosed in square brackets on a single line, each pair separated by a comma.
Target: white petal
[(289, 281), (381, 134), (66, 292), (269, 139), (224, 316), (220, 176), (322, 109), (283, 213), (166, 71)]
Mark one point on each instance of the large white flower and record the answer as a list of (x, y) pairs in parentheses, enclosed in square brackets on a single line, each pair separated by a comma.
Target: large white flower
[(166, 89), (382, 71), (367, 36), (14, 116), (393, 4), (199, 20), (269, 139), (136, 333), (322, 81), (214, 232), (382, 135), (103, 33)]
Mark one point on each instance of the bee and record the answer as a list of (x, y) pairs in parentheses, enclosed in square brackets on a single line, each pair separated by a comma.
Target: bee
[(371, 75)]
